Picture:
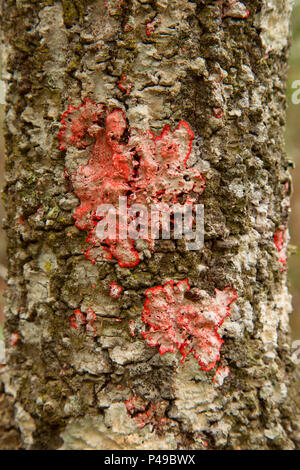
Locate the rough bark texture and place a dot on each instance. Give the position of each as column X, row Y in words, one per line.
column 225, row 76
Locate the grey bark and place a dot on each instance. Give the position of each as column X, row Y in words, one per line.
column 69, row 389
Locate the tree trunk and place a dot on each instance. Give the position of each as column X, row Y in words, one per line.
column 82, row 367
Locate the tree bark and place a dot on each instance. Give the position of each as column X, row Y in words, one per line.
column 222, row 70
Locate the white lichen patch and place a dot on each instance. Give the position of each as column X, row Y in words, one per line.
column 274, row 20
column 94, row 434
column 220, row 375
column 93, row 362
column 54, row 38
column 47, row 261
column 196, row 396
column 155, row 74
column 130, row 353
column 101, row 305
column 31, row 333
column 25, row 423
column 38, row 287
column 118, row 420
column 274, row 315
column 85, row 273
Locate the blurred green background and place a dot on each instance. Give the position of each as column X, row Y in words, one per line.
column 293, row 149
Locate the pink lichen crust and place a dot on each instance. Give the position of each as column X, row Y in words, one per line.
column 220, row 375
column 86, row 320
column 218, row 112
column 13, row 339
column 192, row 327
column 115, row 290
column 145, row 412
column 152, row 25
column 233, row 9
column 281, row 239
column 145, row 168
column 125, row 85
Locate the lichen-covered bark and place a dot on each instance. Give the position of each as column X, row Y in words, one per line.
column 222, row 69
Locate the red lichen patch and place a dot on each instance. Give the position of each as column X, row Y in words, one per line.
column 152, row 25
column 125, row 85
column 77, row 320
column 135, row 404
column 233, row 9
column 76, row 122
column 281, row 240
column 191, row 327
column 128, row 27
column 145, row 168
column 86, row 320
column 220, row 375
column 146, row 412
column 218, row 112
column 14, row 339
column 115, row 290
